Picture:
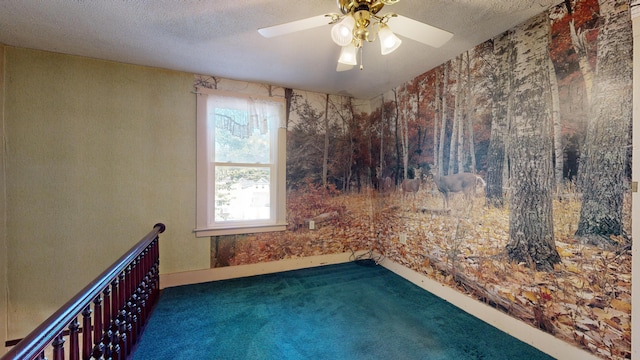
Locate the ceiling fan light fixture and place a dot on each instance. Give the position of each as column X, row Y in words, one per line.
column 359, row 19
column 389, row 42
column 342, row 32
column 348, row 55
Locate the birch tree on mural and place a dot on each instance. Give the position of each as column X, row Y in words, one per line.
column 531, row 238
column 325, row 152
column 608, row 131
column 443, row 119
column 436, row 119
column 421, row 126
column 404, row 137
column 458, row 123
column 557, row 127
column 388, row 146
column 468, row 113
column 288, row 99
column 502, row 99
column 383, row 179
column 455, row 122
column 396, row 120
column 347, row 146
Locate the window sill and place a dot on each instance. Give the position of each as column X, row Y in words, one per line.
column 239, row 230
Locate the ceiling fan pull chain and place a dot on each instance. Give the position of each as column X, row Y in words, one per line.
column 361, row 58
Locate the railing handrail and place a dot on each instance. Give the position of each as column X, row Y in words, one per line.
column 34, row 343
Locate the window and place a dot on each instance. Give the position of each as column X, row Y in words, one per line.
column 241, row 162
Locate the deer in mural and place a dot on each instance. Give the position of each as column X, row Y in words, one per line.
column 385, row 183
column 412, row 185
column 461, row 182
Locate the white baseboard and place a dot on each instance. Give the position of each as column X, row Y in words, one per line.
column 237, row 271
column 537, row 338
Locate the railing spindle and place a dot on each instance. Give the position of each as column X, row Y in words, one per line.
column 115, row 300
column 130, row 297
column 74, row 346
column 136, row 298
column 106, row 308
column 116, row 340
column 122, row 313
column 97, row 320
column 106, row 342
column 124, row 349
column 156, row 269
column 86, row 333
column 144, row 291
column 58, row 348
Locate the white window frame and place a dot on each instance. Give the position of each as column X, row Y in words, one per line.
column 205, row 207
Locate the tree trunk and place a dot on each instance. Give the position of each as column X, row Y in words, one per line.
column 325, row 154
column 459, row 109
column 453, row 143
column 422, row 132
column 349, row 167
column 608, row 130
column 288, row 97
column 404, row 136
column 395, row 96
column 381, row 164
column 579, row 42
column 443, row 124
column 469, row 111
column 502, row 84
column 557, row 128
column 531, row 218
column 436, row 118
column 451, row 169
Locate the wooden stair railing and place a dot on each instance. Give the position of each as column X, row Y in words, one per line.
column 120, row 299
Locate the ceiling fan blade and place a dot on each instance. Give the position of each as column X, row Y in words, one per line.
column 294, row 26
column 343, row 67
column 421, row 32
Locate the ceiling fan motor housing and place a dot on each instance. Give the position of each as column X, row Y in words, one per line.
column 372, row 6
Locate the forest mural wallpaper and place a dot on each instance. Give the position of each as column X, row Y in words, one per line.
column 503, row 173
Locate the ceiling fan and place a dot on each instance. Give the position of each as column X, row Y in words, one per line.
column 358, row 23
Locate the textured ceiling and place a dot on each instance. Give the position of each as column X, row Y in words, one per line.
column 219, row 38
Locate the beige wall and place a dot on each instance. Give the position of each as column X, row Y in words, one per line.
column 96, row 153
column 3, row 233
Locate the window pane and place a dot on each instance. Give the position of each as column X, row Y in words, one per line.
column 241, row 137
column 242, row 193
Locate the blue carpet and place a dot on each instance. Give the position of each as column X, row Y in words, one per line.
column 344, row 311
